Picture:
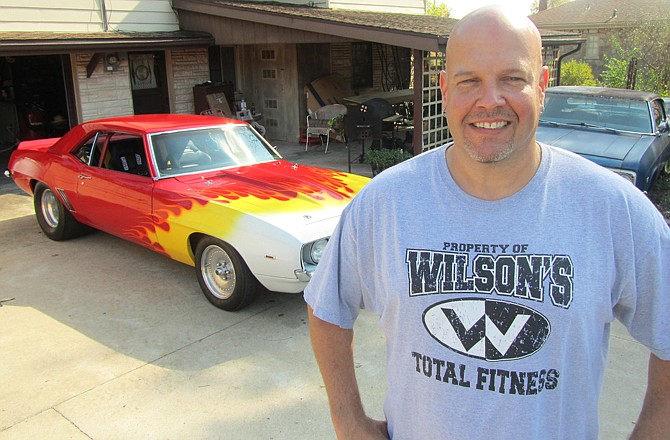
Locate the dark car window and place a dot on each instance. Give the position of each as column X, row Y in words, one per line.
column 125, row 153
column 659, row 113
column 606, row 112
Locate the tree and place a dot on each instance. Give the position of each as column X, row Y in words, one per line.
column 577, row 73
column 649, row 41
column 437, row 9
column 641, row 58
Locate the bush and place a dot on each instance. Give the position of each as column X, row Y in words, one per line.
column 380, row 159
column 577, row 73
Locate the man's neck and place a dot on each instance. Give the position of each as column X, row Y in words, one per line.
column 493, row 181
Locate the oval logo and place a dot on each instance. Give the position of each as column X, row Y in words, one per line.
column 487, row 329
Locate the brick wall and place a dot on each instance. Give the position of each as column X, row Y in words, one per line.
column 189, row 67
column 103, row 94
column 108, row 93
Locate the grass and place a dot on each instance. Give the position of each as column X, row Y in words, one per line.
column 660, row 194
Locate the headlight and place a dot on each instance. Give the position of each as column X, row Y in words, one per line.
column 630, row 176
column 312, row 252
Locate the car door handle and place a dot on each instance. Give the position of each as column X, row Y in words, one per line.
column 84, row 176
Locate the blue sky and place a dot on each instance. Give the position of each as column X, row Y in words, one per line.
column 461, row 7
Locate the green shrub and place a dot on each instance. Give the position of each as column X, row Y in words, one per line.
column 577, row 73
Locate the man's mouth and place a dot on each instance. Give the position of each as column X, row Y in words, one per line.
column 491, row 125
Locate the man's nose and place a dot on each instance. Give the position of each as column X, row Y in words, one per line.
column 491, row 95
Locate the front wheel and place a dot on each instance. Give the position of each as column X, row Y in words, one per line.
column 55, row 221
column 223, row 276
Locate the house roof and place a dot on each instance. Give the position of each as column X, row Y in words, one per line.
column 43, row 43
column 580, row 14
column 423, row 32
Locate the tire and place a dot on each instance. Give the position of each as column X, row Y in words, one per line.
column 223, row 276
column 55, row 221
column 666, row 167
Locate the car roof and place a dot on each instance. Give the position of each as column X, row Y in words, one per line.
column 606, row 92
column 155, row 123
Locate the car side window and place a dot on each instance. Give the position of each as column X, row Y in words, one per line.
column 89, row 151
column 659, row 113
column 125, row 153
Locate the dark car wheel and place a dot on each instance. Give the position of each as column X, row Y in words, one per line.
column 56, row 221
column 223, row 276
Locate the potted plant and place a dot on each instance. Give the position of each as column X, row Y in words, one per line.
column 380, row 159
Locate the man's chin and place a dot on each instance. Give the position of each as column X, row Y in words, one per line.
column 489, row 153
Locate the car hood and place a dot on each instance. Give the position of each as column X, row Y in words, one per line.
column 590, row 142
column 287, row 195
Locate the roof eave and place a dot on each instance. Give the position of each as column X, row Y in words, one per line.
column 49, row 46
column 394, row 37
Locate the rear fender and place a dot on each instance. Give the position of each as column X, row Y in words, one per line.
column 37, row 144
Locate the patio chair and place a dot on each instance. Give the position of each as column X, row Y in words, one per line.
column 318, row 123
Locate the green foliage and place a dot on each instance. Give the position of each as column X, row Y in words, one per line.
column 380, row 159
column 615, row 72
column 438, row 10
column 648, row 55
column 577, row 73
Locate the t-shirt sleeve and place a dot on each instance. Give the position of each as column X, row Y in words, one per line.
column 334, row 293
column 644, row 308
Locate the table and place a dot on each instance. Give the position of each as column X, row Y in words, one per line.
column 393, row 97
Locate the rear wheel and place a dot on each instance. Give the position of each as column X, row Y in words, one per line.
column 223, row 276
column 55, row 221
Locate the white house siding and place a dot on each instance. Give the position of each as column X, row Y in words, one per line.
column 86, row 16
column 189, row 67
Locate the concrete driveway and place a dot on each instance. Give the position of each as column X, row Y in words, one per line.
column 102, row 339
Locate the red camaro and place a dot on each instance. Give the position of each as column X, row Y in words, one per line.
column 202, row 190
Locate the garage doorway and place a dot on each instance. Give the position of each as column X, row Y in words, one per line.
column 35, row 99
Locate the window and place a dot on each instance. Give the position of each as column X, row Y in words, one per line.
column 268, row 54
column 125, row 153
column 269, row 74
column 89, row 151
column 361, row 65
column 592, row 48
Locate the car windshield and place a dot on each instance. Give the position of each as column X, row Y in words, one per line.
column 207, row 149
column 597, row 111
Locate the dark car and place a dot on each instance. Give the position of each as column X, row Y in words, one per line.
column 625, row 131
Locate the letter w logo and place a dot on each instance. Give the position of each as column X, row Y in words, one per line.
column 488, row 329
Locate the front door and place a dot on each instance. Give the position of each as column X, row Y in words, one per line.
column 148, row 82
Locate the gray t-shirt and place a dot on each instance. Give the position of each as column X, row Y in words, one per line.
column 497, row 313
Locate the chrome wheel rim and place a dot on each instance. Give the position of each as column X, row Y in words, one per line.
column 218, row 272
column 49, row 204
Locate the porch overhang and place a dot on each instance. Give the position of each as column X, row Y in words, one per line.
column 49, row 43
column 421, row 32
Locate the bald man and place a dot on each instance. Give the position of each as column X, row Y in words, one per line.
column 496, row 266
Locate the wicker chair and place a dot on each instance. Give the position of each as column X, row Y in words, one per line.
column 318, row 123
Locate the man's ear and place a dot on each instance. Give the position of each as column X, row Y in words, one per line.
column 443, row 85
column 544, row 80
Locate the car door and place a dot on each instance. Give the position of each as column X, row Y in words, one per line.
column 114, row 193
